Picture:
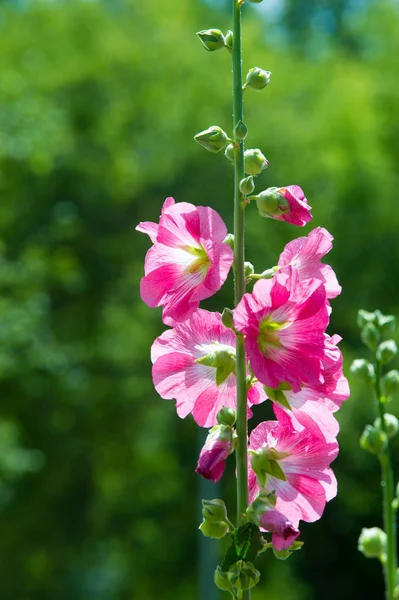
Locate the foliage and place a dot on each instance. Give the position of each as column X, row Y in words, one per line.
column 93, row 137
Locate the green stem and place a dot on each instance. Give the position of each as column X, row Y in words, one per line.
column 239, row 278
column 387, row 484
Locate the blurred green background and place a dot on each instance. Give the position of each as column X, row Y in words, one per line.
column 98, row 107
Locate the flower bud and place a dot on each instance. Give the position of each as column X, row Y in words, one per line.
column 284, row 532
column 229, row 240
column 214, row 510
column 386, row 323
column 213, row 139
column 212, row 459
column 243, row 575
column 390, row 382
column 364, row 317
column 228, row 40
column 227, row 318
column 254, row 161
column 214, row 530
column 248, row 269
column 226, row 416
column 386, row 351
column 212, row 39
column 230, row 152
column 240, row 131
column 363, row 370
column 247, row 185
column 257, row 78
column 373, row 440
column 372, row 542
column 370, row 336
column 221, row 580
column 391, row 425
column 264, row 501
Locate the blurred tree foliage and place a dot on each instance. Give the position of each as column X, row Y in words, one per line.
column 99, row 104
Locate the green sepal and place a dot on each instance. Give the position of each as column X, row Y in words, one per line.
column 276, row 471
column 246, row 544
column 277, row 395
column 284, row 554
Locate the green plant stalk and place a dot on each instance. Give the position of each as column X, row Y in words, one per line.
column 239, row 277
column 387, row 485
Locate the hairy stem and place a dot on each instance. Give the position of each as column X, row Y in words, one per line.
column 239, row 277
column 387, row 484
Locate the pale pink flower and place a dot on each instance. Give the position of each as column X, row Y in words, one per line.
column 312, row 408
column 188, row 261
column 194, row 363
column 284, row 321
column 305, row 253
column 283, row 531
column 212, row 459
column 304, row 460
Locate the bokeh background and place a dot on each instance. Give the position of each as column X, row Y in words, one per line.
column 98, row 107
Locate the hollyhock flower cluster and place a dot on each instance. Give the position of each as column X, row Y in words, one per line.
column 290, row 358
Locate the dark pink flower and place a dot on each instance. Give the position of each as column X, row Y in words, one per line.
column 305, row 482
column 212, row 459
column 312, row 407
column 194, row 363
column 284, row 321
column 305, row 253
column 188, row 261
column 284, row 204
column 284, row 533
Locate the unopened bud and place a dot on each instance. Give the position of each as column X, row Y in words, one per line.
column 390, row 382
column 372, row 542
column 391, row 425
column 215, row 530
column 214, row 510
column 248, row 269
column 370, row 336
column 213, row 139
column 386, row 351
column 240, row 131
column 221, row 580
column 230, row 152
column 363, row 370
column 226, row 416
column 212, row 39
column 243, row 575
column 364, row 317
column 247, row 185
column 257, row 78
column 386, row 323
column 227, row 318
column 373, row 440
column 229, row 240
column 228, row 40
column 254, row 161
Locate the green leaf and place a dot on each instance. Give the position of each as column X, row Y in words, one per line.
column 246, row 543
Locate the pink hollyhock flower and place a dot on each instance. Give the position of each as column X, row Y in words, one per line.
column 312, row 408
column 284, row 533
column 195, row 364
column 284, row 321
column 212, row 459
column 305, row 253
column 285, row 204
column 188, row 261
column 295, row 465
